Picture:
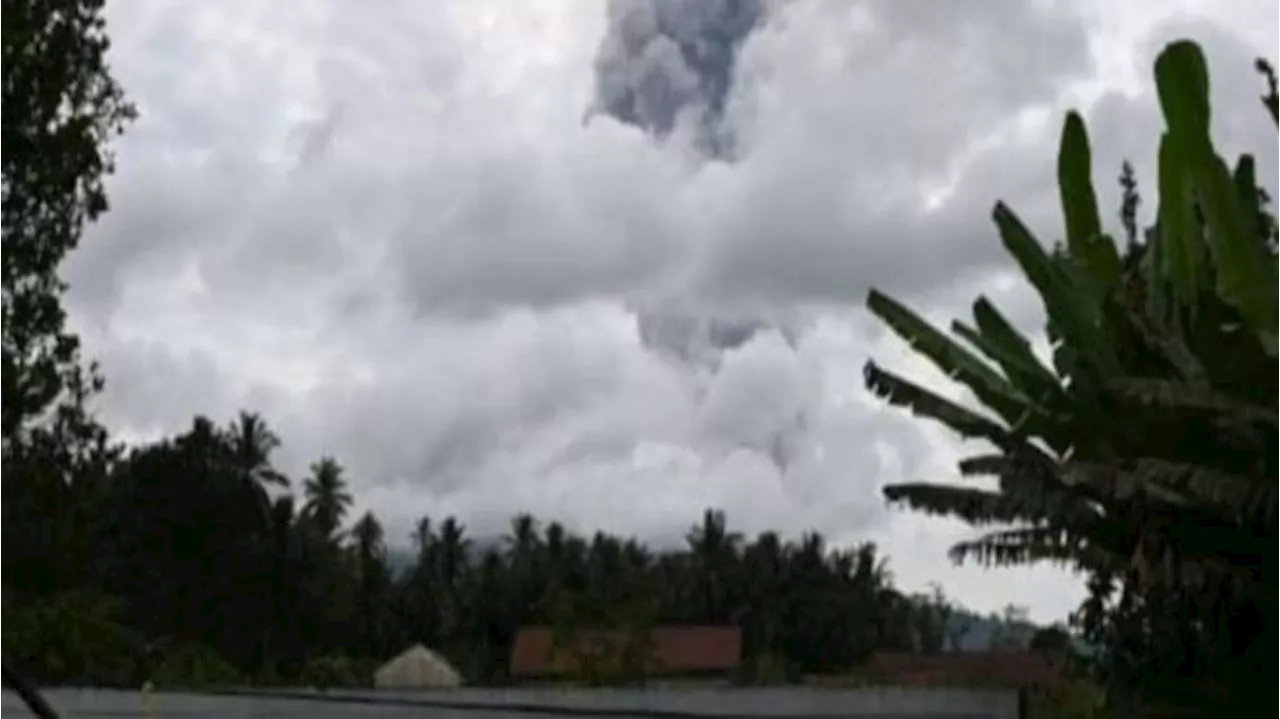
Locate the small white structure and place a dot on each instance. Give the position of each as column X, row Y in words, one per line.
column 417, row 668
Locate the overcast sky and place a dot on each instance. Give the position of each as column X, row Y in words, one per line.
column 387, row 227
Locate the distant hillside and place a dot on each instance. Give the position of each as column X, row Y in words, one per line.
column 979, row 631
column 401, row 559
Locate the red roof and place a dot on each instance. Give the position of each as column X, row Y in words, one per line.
column 965, row 668
column 676, row 650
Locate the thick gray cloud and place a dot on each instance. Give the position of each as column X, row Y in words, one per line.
column 846, row 166
column 663, row 60
column 388, row 229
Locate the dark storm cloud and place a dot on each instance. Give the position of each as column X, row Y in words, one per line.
column 664, row 59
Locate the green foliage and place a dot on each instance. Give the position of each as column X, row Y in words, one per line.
column 327, row 499
column 1076, row 699
column 605, row 645
column 768, row 670
column 1054, row 641
column 335, row 672
column 202, row 553
column 1145, row 454
column 76, row 636
column 1095, row 251
column 60, row 108
column 194, row 667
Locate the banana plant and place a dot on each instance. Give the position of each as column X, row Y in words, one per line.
column 1032, row 412
column 1156, row 416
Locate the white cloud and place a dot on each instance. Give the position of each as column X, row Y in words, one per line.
column 388, row 229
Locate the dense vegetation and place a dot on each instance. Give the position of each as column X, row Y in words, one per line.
column 1145, row 454
column 198, row 544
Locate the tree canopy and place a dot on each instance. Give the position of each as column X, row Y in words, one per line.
column 196, row 554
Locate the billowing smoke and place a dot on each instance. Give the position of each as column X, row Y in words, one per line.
column 775, row 420
column 665, row 62
column 699, row 338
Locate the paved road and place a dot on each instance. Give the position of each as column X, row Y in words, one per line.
column 475, row 704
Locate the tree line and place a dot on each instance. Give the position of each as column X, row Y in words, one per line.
column 198, row 545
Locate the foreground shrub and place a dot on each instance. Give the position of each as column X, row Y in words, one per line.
column 74, row 638
column 768, row 670
column 194, row 667
column 336, row 672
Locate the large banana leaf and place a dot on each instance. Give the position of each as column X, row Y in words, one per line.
column 1246, row 181
column 1068, row 303
column 1235, row 498
column 955, row 361
column 1091, row 248
column 975, row 506
column 1031, row 544
column 1159, row 335
column 1031, row 479
column 1118, row 485
column 993, row 325
column 1043, row 397
column 904, row 393
column 1035, row 416
column 1246, row 277
column 1181, row 247
column 1030, row 490
column 1172, row 395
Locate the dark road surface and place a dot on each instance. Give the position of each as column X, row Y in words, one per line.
column 534, row 704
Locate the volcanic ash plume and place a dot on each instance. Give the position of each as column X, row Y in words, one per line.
column 752, row 404
column 662, row 61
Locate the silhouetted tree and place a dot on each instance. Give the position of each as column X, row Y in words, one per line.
column 60, row 107
column 327, row 498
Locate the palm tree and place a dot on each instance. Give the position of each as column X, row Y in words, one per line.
column 423, row 536
column 523, row 544
column 252, row 443
column 525, row 567
column 282, row 557
column 454, row 551
column 764, row 566
column 370, row 560
column 715, row 558
column 452, row 557
column 420, row 606
column 327, row 498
